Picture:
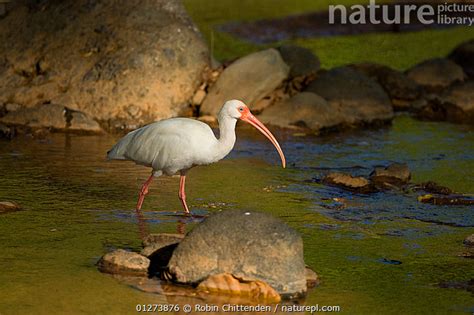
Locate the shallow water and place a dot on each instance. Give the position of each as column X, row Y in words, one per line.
column 382, row 253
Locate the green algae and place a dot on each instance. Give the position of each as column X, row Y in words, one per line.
column 77, row 206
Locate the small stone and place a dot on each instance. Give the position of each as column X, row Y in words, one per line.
column 347, row 181
column 434, row 188
column 395, row 174
column 469, row 241
column 154, row 242
column 451, row 200
column 199, row 97
column 124, row 263
column 9, row 206
column 312, row 277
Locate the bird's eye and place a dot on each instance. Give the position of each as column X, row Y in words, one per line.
column 241, row 109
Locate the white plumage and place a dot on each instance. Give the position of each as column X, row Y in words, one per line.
column 177, row 144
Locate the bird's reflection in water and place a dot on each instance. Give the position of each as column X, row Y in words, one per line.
column 182, row 220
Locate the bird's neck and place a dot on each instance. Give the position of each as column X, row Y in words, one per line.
column 226, row 134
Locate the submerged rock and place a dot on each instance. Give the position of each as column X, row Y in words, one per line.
column 450, row 200
column 249, row 79
column 347, row 181
column 312, row 278
column 9, row 206
column 251, row 246
column 469, row 241
column 302, row 61
column 434, row 188
column 125, row 263
column 463, row 55
column 225, row 283
column 358, row 98
column 435, row 74
column 394, row 174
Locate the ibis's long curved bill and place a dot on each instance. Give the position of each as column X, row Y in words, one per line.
column 251, row 119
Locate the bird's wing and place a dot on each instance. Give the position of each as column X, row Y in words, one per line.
column 171, row 144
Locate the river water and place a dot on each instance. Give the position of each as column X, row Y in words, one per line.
column 380, row 253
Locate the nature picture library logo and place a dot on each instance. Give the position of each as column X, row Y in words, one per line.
column 447, row 13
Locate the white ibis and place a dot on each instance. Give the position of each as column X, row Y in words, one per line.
column 178, row 144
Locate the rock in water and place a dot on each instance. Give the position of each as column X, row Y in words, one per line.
column 102, row 58
column 346, row 181
column 469, row 241
column 9, row 206
column 124, row 263
column 228, row 284
column 395, row 174
column 435, row 74
column 248, row 79
column 359, row 99
column 248, row 245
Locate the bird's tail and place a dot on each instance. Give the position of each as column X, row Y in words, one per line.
column 120, row 148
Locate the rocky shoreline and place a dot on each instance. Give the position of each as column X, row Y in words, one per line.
column 109, row 80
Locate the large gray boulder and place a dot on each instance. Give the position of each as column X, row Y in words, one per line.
column 248, row 245
column 305, row 109
column 436, row 74
column 463, row 55
column 123, row 63
column 248, row 79
column 358, row 98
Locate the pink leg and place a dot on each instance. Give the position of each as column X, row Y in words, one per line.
column 144, row 192
column 141, row 219
column 182, row 193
